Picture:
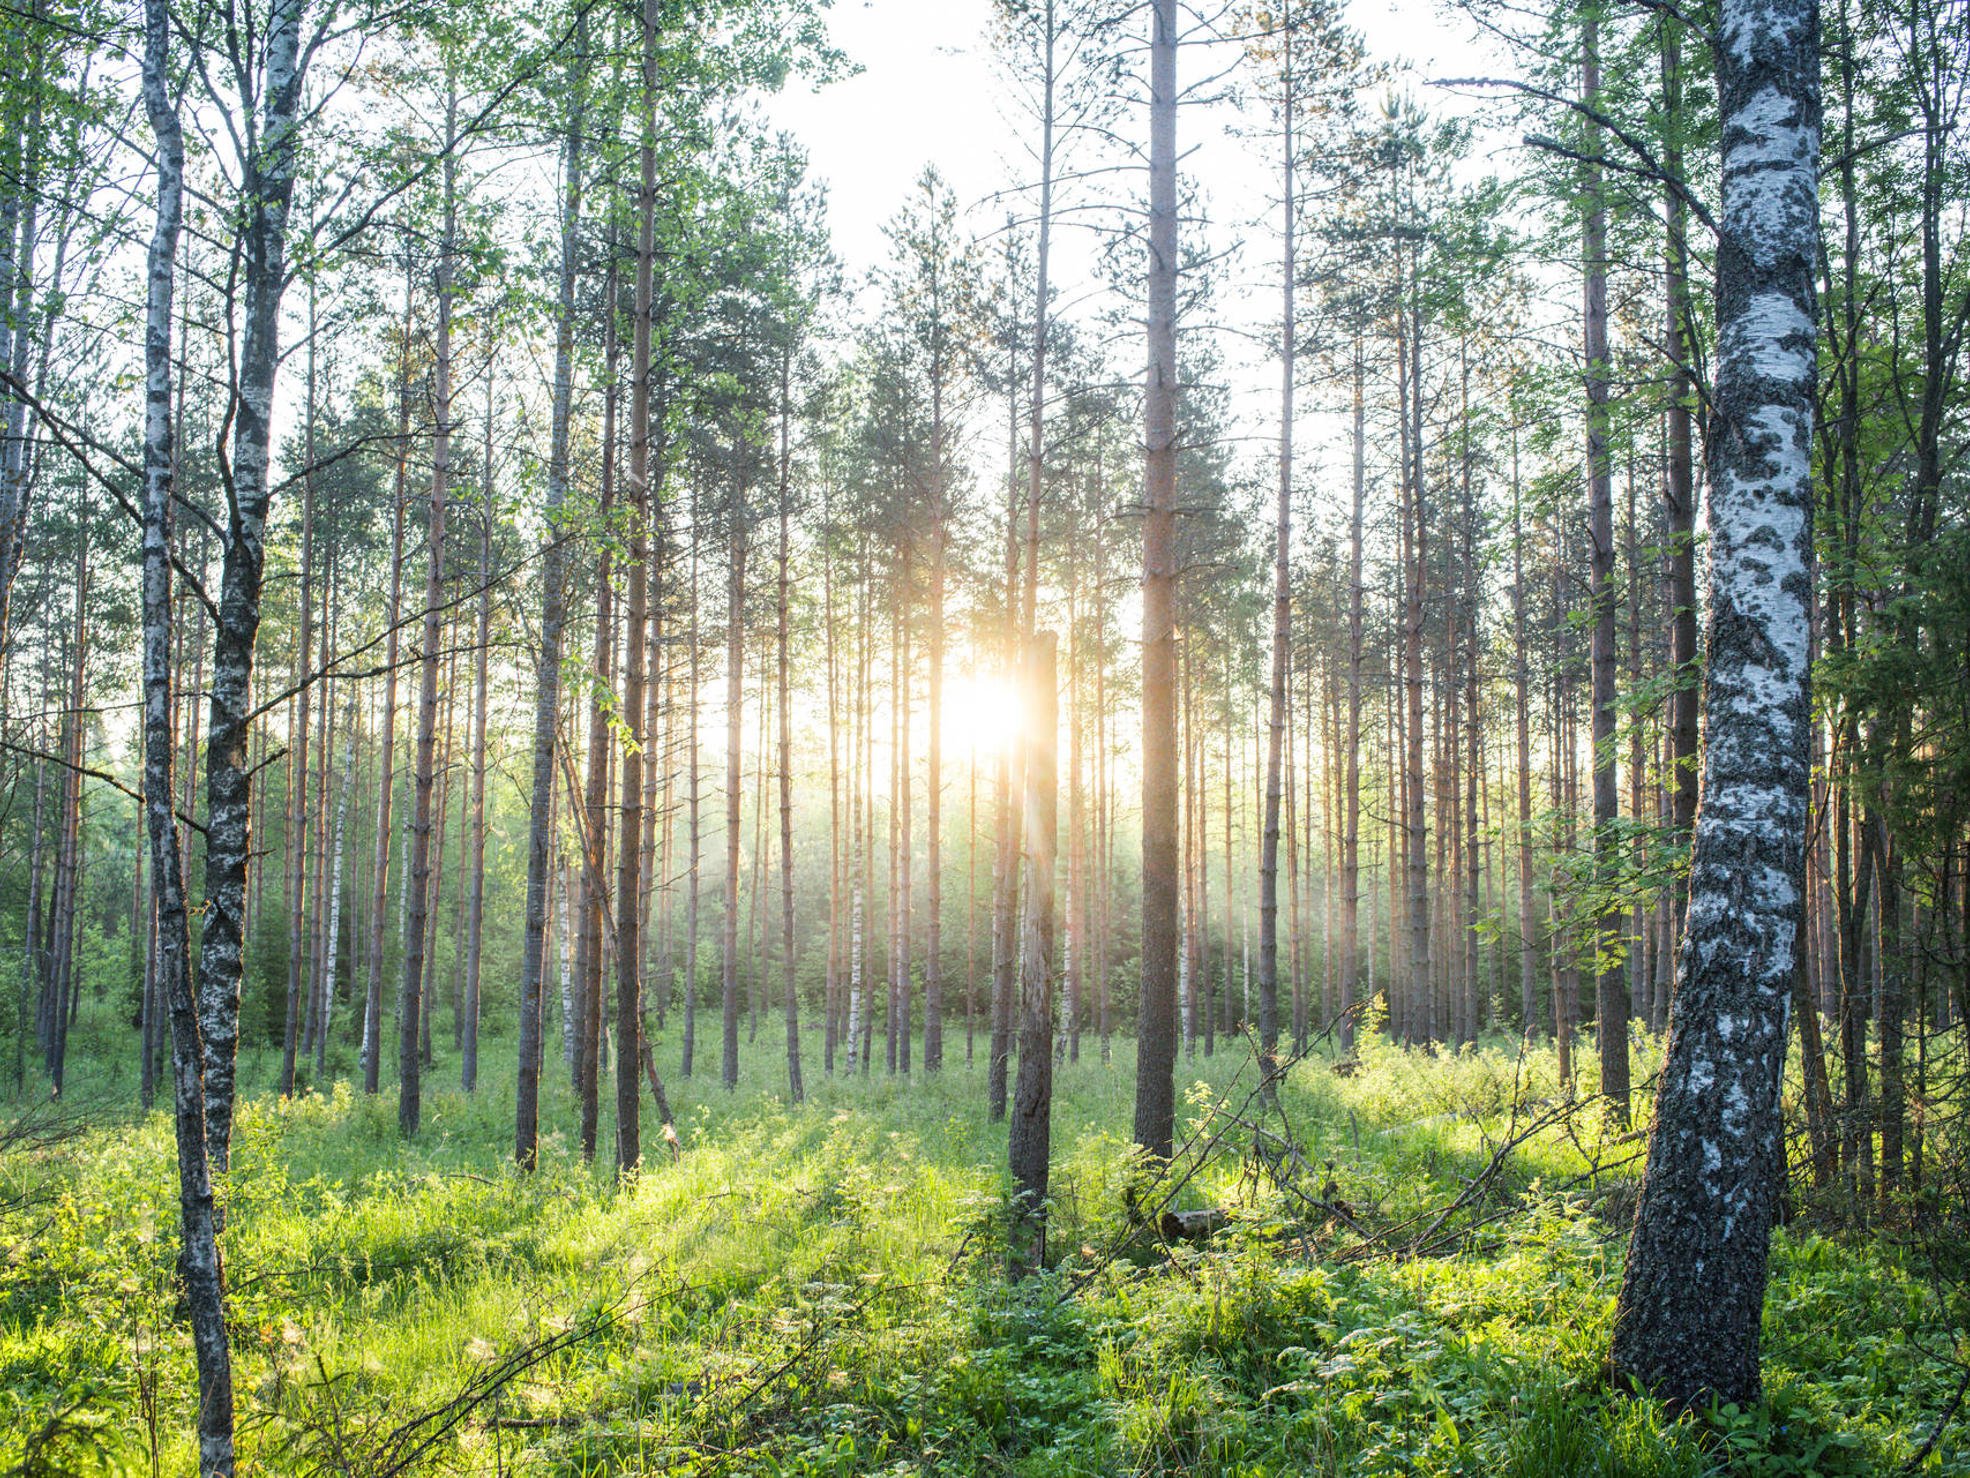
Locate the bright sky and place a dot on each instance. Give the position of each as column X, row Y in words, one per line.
column 930, row 91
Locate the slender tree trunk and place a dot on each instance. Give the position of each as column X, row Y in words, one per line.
column 1030, row 1130
column 412, row 1002
column 789, row 976
column 905, row 862
column 1892, row 1006
column 295, row 843
column 1351, row 781
column 1421, row 1023
column 1610, row 986
column 1074, row 950
column 694, row 887
column 595, row 819
column 629, row 847
column 832, row 989
column 1104, row 803
column 475, row 825
column 1282, row 611
column 553, row 617
column 1528, row 957
column 735, row 653
column 1155, row 1105
column 266, row 191
column 60, row 1007
column 200, row 1265
column 332, row 953
column 372, row 1051
column 19, row 209
column 1679, row 488
column 1005, row 859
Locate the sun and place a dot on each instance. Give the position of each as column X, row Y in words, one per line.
column 981, row 712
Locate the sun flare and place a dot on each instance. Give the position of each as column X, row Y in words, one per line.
column 981, row 712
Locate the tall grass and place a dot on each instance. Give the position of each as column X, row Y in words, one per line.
column 819, row 1290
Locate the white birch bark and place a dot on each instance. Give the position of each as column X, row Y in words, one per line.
column 200, row 1265
column 266, row 192
column 1693, row 1292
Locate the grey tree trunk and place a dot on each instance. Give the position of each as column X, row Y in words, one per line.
column 1687, row 1323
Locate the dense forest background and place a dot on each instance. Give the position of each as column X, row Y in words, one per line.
column 516, row 652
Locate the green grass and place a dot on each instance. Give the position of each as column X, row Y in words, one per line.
column 818, row 1290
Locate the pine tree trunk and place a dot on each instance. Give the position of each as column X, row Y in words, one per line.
column 1351, row 782
column 58, row 1009
column 332, row 952
column 1029, row 1134
column 372, row 1048
column 1282, row 609
column 832, row 987
column 295, row 843
column 933, row 952
column 1155, row 1104
column 1005, row 831
column 629, row 844
column 905, row 862
column 1528, row 956
column 1420, row 1025
column 734, row 787
column 789, row 976
column 416, row 928
column 1679, row 484
column 475, row 822
column 595, row 794
column 694, row 886
column 553, row 616
column 1610, row 985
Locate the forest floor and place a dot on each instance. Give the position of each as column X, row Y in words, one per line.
column 820, row 1290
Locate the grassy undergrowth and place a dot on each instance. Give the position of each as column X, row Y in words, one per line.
column 818, row 1290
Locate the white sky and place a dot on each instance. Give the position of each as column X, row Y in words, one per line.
column 930, row 91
